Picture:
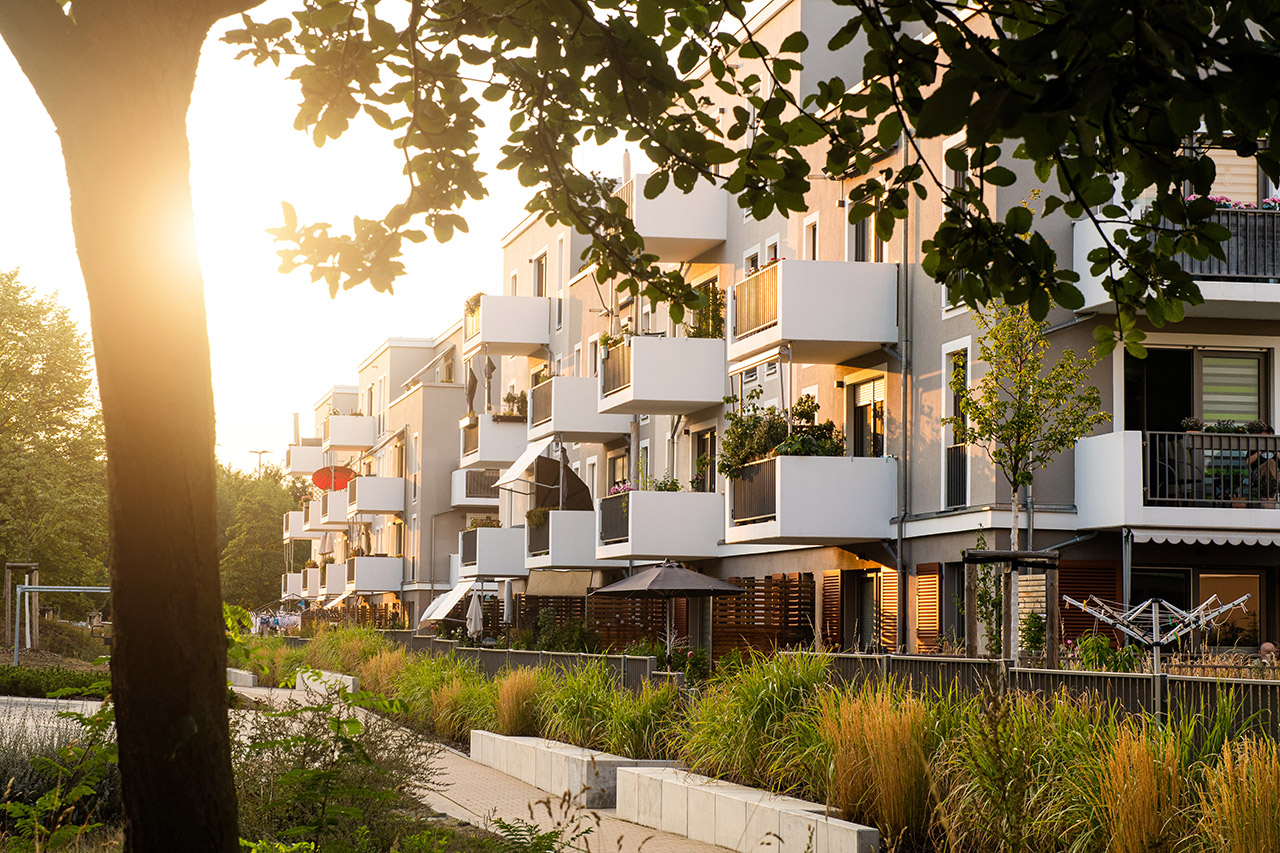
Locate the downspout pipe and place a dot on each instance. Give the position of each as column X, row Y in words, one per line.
column 904, row 359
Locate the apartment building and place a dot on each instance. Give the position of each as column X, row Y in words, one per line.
column 590, row 424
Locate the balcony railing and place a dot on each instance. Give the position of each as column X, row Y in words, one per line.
column 483, row 483
column 614, row 523
column 957, row 475
column 540, row 539
column 627, row 192
column 471, row 324
column 469, row 547
column 755, row 495
column 470, row 440
column 351, row 570
column 540, row 403
column 755, row 302
column 1211, row 469
column 1252, row 252
column 615, row 371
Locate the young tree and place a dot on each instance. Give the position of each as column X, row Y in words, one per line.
column 1021, row 415
column 252, row 561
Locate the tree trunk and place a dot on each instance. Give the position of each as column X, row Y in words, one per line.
column 117, row 85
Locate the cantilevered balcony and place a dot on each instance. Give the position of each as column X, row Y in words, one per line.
column 374, row 574
column 316, row 520
column 1178, row 480
column 491, row 552
column 492, row 441
column 508, row 325
column 303, row 460
column 812, row 500
column 335, row 579
column 311, row 583
column 333, row 510
column 350, row 433
column 568, row 406
column 291, row 585
column 375, row 496
column 474, row 488
column 826, row 311
column 677, row 226
column 295, row 526
column 1243, row 285
column 565, row 540
column 650, row 375
column 655, row 525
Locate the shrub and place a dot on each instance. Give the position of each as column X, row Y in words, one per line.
column 576, row 710
column 70, row 641
column 39, row 683
column 639, row 723
column 273, row 660
column 518, row 695
column 1240, row 799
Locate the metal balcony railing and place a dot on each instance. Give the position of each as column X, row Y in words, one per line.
column 540, row 403
column 540, row 539
column 469, row 547
column 627, row 192
column 615, row 370
column 754, row 493
column 470, row 439
column 957, row 475
column 1210, row 469
column 471, row 324
column 614, row 521
column 755, row 302
column 483, row 483
column 1252, row 252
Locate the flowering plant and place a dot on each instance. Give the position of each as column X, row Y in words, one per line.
column 621, row 487
column 1271, row 202
column 1227, row 203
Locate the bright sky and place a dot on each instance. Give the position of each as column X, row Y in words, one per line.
column 278, row 341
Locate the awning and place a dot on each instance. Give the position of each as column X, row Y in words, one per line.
column 338, row 600
column 571, row 583
column 771, row 354
column 517, row 469
column 440, row 607
column 1193, row 536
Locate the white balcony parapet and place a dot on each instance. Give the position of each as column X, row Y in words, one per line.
column 492, row 442
column 568, row 406
column 826, row 311
column 315, row 520
column 374, row 574
column 474, row 488
column 303, row 460
column 335, row 578
column 566, row 541
column 1195, row 481
column 677, row 226
column 508, row 325
column 812, row 500
column 651, row 375
column 351, row 433
column 375, row 495
column 295, row 526
column 491, row 552
column 311, row 583
column 333, row 510
column 291, row 585
column 643, row 525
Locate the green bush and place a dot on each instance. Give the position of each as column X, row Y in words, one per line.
column 639, row 723
column 70, row 641
column 423, row 676
column 39, row 683
column 577, row 707
column 344, row 649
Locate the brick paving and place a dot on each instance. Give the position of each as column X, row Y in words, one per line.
column 478, row 794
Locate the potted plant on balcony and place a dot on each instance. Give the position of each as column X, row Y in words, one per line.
column 708, row 321
column 472, row 305
column 608, row 341
column 311, row 564
column 755, row 433
column 483, row 521
column 515, row 407
column 1192, row 424
column 537, row 516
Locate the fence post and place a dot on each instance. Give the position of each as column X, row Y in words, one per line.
column 884, row 668
column 970, row 610
column 1052, row 616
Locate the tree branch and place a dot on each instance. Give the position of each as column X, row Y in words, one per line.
column 46, row 44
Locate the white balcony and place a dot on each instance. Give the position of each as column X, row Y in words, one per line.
column 291, row 585
column 649, row 375
column 295, row 526
column 350, row 433
column 315, row 521
column 333, row 510
column 508, row 325
column 568, row 406
column 474, row 488
column 1244, row 285
column 812, row 500
column 1176, row 481
column 677, row 226
column 374, row 574
column 311, row 583
column 303, row 460
column 375, row 496
column 658, row 525
column 492, row 442
column 826, row 311
column 566, row 541
column 491, row 552
column 335, row 578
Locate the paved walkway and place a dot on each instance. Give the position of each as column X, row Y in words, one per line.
column 478, row 794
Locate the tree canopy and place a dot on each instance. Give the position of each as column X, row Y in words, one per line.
column 250, row 553
column 1113, row 106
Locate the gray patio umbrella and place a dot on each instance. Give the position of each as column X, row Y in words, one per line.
column 669, row 580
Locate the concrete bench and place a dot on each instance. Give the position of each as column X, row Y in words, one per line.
column 734, row 816
column 241, row 678
column 327, row 682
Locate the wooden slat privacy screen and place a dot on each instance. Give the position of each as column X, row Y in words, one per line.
column 889, row 609
column 832, row 606
column 776, row 611
column 927, row 614
column 1081, row 579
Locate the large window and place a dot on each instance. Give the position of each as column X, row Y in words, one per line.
column 704, row 461
column 1171, row 384
column 867, row 437
column 540, row 275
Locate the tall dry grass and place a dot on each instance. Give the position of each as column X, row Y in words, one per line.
column 344, row 649
column 381, row 673
column 879, row 773
column 1240, row 799
column 1142, row 792
column 517, row 702
column 461, row 705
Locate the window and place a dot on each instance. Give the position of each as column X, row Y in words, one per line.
column 593, row 355
column 770, row 368
column 867, row 437
column 413, row 465
column 448, row 369
column 558, row 367
column 646, row 471
column 771, row 250
column 861, row 240
column 618, row 470
column 561, row 276
column 704, row 461
column 811, row 238
column 577, row 360
column 646, row 319
column 749, row 375
column 955, row 454
column 540, row 275
column 513, row 290
column 1171, row 384
column 751, row 263
column 591, row 477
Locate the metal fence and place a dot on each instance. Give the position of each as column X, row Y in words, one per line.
column 615, row 369
column 540, row 403
column 1210, row 469
column 1252, row 252
column 614, row 523
column 755, row 302
column 468, row 557
column 482, row 482
column 957, row 475
column 470, row 439
column 539, row 538
column 754, row 492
